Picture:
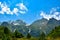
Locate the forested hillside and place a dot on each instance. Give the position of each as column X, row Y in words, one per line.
column 6, row 34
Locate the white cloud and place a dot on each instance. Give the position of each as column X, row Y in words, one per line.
column 15, row 11
column 22, row 12
column 1, row 12
column 46, row 16
column 5, row 9
column 55, row 14
column 22, row 6
column 54, row 10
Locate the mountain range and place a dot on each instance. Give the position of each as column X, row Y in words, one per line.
column 35, row 29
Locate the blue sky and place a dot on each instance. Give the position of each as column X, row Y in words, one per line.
column 29, row 10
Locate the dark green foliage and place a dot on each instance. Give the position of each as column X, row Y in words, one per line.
column 55, row 32
column 42, row 36
column 28, row 35
column 4, row 37
column 6, row 30
column 18, row 34
column 8, row 38
column 1, row 31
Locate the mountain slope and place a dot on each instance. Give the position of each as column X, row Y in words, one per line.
column 52, row 23
column 35, row 29
column 16, row 25
column 44, row 25
column 38, row 26
column 54, row 34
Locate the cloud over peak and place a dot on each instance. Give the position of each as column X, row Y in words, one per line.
column 53, row 14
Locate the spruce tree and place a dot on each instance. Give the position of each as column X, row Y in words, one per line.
column 28, row 35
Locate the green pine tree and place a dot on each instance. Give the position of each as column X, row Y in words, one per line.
column 28, row 35
column 42, row 36
column 18, row 34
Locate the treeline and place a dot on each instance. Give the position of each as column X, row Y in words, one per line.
column 6, row 34
column 54, row 34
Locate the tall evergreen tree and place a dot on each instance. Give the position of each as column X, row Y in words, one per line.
column 18, row 34
column 6, row 30
column 42, row 36
column 28, row 35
